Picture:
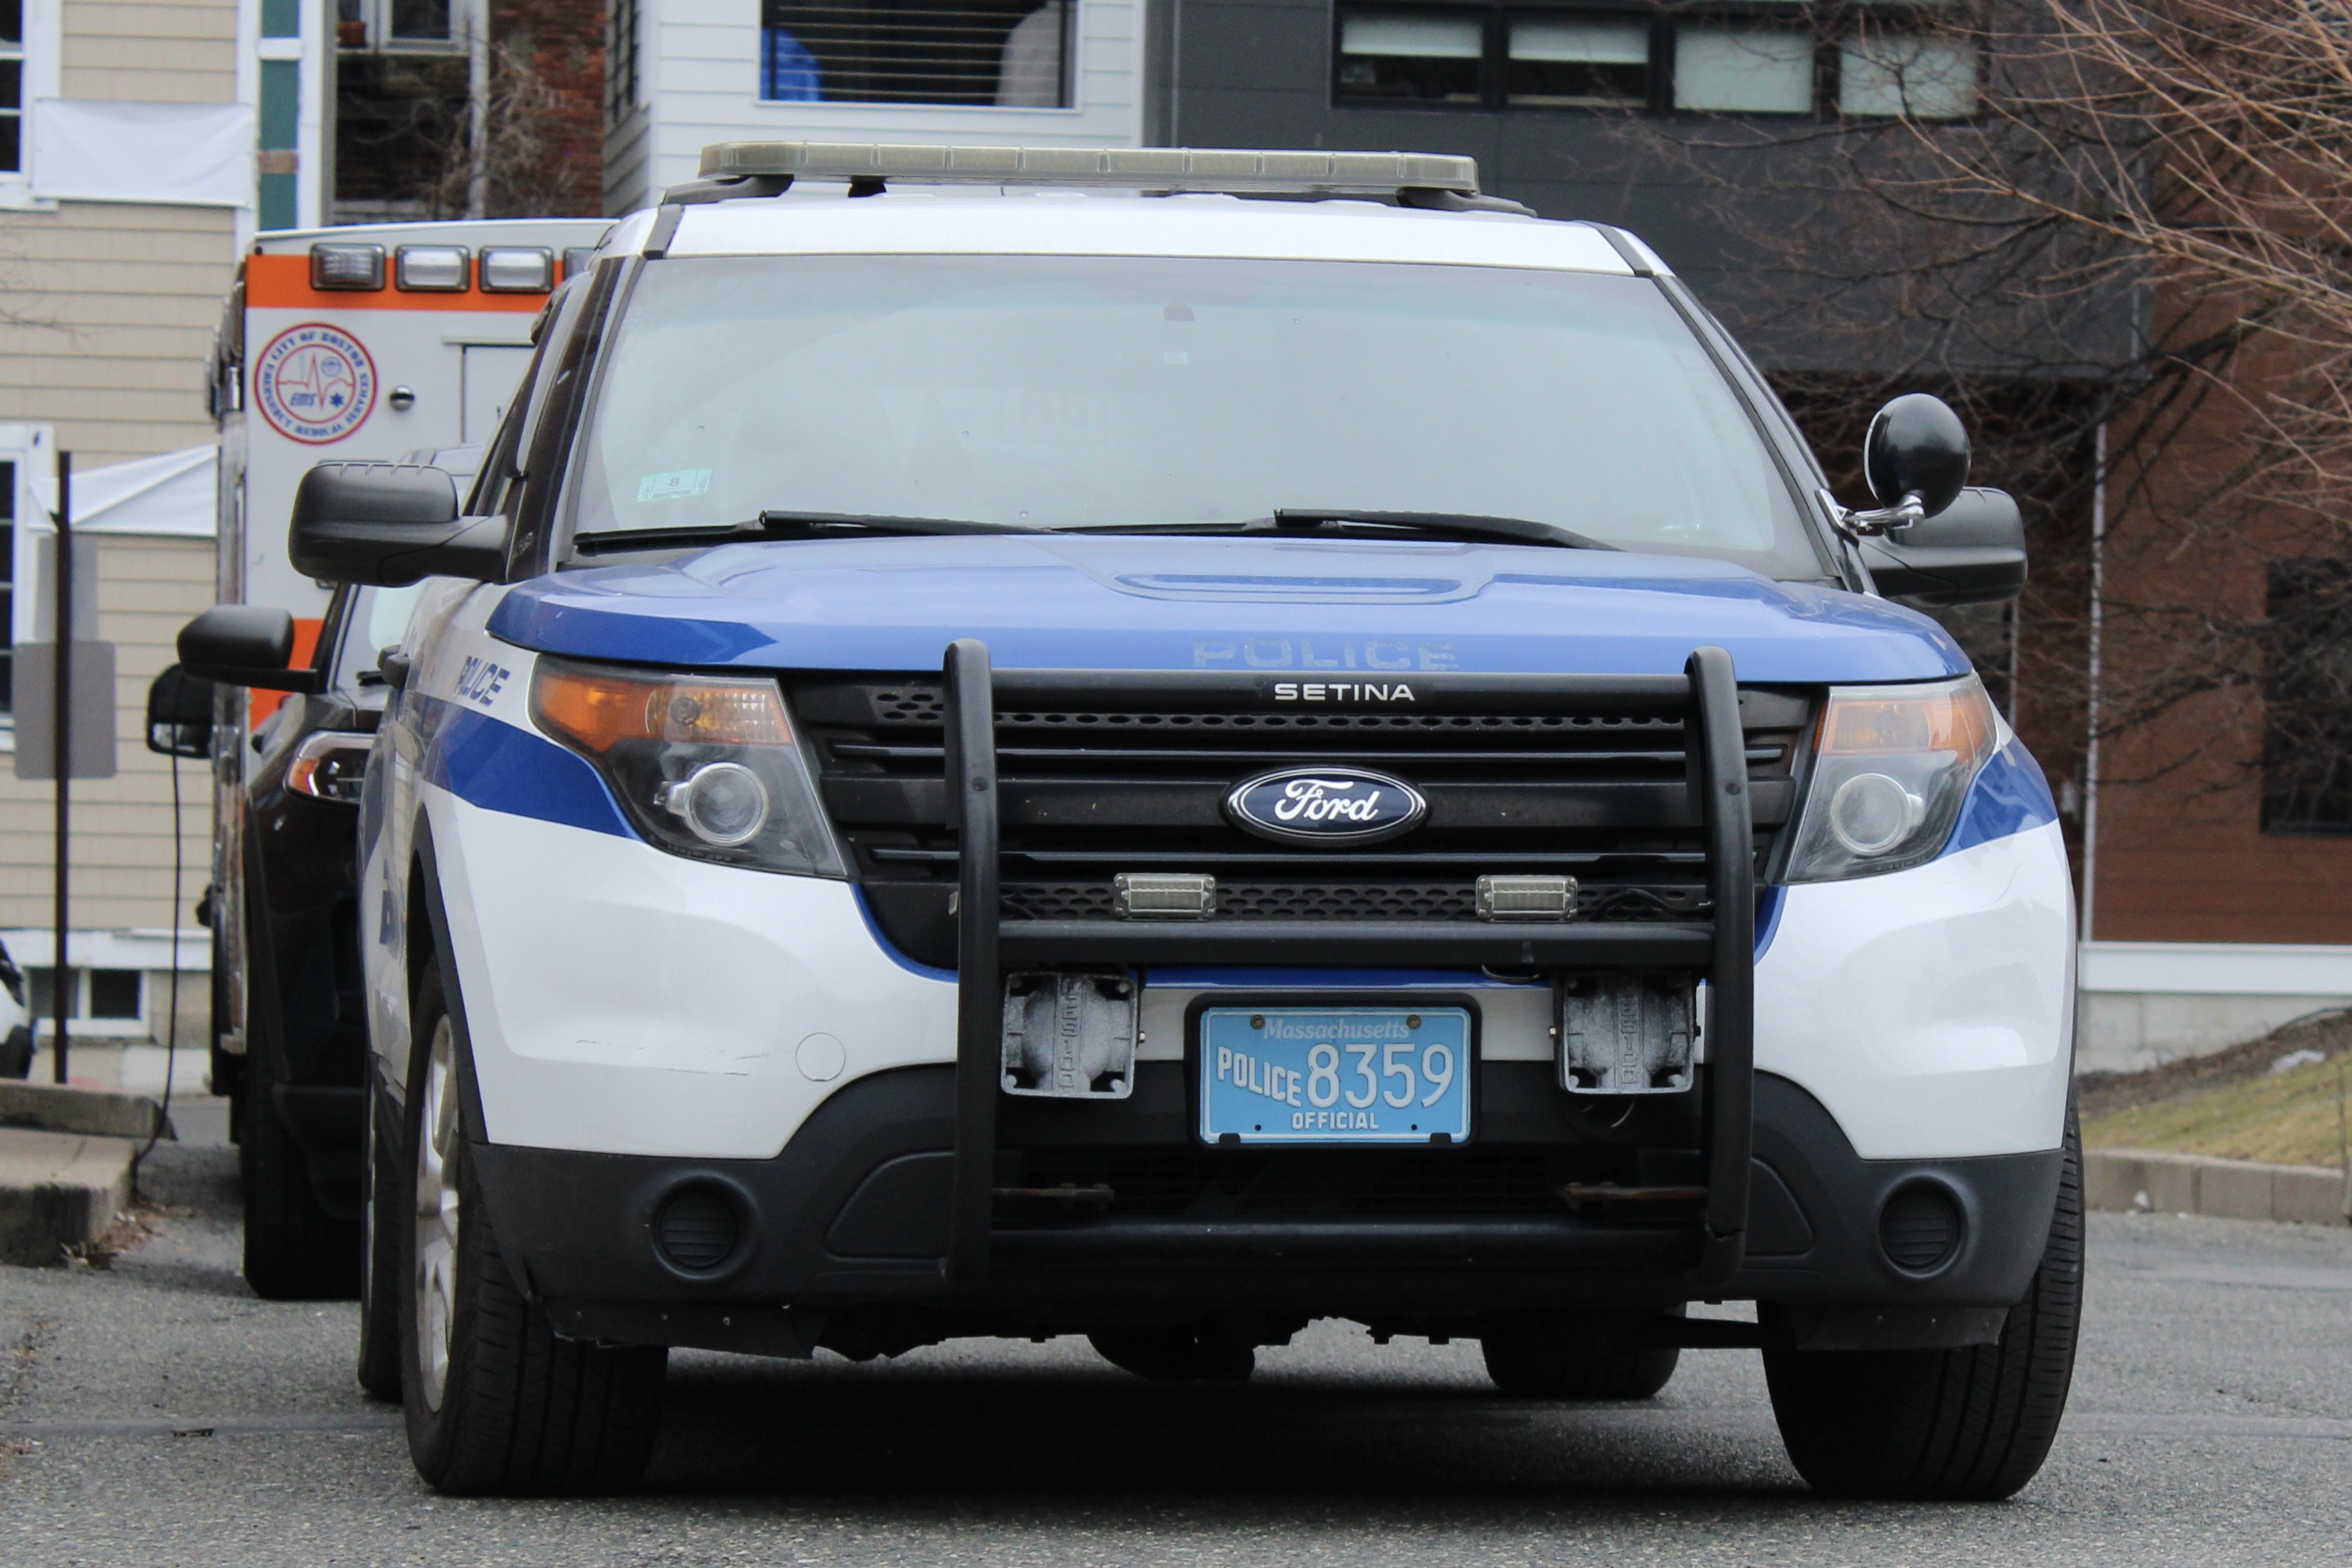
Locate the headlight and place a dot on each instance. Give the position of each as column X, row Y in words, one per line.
column 1894, row 764
column 704, row 764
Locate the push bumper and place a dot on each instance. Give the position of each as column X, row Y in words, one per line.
column 852, row 1217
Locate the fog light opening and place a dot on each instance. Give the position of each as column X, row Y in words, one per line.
column 698, row 1229
column 1920, row 1227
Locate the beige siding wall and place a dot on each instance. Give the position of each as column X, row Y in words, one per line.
column 106, row 312
column 147, row 589
column 154, row 51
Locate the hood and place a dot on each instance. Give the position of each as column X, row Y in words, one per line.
column 1312, row 605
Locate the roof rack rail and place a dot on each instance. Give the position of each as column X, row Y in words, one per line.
column 1230, row 171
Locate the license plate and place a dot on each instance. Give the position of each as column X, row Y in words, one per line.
column 1334, row 1075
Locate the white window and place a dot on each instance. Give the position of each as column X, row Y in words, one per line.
column 1580, row 63
column 1430, row 57
column 1924, row 76
column 1735, row 69
column 399, row 24
column 1011, row 53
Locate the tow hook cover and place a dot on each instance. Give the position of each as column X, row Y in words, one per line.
column 1070, row 1037
column 1626, row 1034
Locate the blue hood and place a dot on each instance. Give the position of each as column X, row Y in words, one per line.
column 1215, row 603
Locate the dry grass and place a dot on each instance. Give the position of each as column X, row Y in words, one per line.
column 2233, row 1105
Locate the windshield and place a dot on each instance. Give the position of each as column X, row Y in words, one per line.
column 1068, row 391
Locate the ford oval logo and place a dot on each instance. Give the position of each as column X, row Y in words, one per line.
column 1325, row 805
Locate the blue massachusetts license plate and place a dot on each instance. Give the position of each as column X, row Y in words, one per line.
column 1334, row 1075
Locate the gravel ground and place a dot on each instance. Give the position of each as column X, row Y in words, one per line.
column 156, row 1413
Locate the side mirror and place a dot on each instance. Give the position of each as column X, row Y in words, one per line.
column 388, row 525
column 243, row 644
column 180, row 714
column 1916, row 455
column 1970, row 552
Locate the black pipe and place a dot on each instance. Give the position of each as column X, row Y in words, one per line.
column 971, row 731
column 1721, row 780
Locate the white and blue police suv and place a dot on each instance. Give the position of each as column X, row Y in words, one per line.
column 1030, row 742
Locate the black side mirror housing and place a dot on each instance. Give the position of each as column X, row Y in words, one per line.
column 1917, row 450
column 388, row 525
column 1970, row 552
column 243, row 644
column 180, row 714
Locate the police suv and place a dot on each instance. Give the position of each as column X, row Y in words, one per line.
column 1163, row 744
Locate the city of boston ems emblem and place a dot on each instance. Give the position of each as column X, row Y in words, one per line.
column 314, row 384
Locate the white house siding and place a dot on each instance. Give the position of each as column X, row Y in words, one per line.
column 147, row 590
column 701, row 80
column 627, row 148
column 107, row 312
column 150, row 51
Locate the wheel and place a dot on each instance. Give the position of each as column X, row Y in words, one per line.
column 1175, row 1355
column 294, row 1249
column 1959, row 1424
column 1576, row 1358
column 495, row 1404
column 380, row 1217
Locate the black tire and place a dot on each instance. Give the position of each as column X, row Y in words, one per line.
column 514, row 1411
column 380, row 1215
column 16, row 1053
column 1176, row 1355
column 294, row 1249
column 1574, row 1358
column 1970, row 1425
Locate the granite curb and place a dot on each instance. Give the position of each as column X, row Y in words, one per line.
column 2149, row 1182
column 60, row 1191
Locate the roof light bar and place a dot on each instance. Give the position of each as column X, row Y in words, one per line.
column 1234, row 171
column 518, row 270
column 346, row 266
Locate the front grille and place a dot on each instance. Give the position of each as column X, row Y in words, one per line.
column 1136, row 781
column 1351, row 901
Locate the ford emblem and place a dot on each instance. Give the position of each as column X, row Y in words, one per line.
column 1325, row 805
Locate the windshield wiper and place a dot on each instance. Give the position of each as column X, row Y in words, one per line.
column 1329, row 521
column 787, row 525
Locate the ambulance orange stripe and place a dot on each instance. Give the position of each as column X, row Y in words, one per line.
column 283, row 282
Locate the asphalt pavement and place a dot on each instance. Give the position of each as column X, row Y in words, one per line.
column 156, row 1412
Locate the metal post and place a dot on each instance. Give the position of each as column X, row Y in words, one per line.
column 1731, row 976
column 61, row 756
column 970, row 724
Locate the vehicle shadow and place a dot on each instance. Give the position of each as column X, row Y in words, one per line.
column 1074, row 1443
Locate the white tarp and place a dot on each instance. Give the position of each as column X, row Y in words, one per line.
column 185, row 154
column 174, row 494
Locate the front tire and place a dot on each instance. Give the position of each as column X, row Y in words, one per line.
column 496, row 1405
column 383, row 1215
column 1567, row 1358
column 1971, row 1425
column 1188, row 1354
column 294, row 1249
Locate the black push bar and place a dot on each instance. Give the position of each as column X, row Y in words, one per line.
column 1706, row 697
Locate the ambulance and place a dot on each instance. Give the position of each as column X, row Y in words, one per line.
column 376, row 342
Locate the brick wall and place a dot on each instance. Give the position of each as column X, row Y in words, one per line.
column 561, row 43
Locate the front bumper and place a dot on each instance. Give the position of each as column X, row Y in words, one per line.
column 852, row 1217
